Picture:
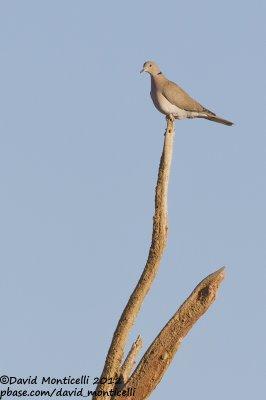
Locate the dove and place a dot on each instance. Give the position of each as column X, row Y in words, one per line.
column 171, row 100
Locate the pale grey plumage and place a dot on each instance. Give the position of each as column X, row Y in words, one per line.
column 169, row 98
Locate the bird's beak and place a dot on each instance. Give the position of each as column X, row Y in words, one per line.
column 143, row 70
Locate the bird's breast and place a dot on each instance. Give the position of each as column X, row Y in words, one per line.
column 165, row 107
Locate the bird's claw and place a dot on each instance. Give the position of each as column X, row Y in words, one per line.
column 170, row 117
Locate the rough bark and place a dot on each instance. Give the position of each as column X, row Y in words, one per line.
column 159, row 237
column 158, row 357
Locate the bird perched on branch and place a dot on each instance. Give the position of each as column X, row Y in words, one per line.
column 171, row 99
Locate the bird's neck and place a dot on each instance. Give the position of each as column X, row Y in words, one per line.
column 157, row 79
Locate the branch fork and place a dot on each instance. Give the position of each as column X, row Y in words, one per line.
column 151, row 368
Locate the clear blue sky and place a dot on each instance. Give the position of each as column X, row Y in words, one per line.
column 79, row 149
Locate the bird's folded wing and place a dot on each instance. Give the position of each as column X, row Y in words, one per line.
column 177, row 96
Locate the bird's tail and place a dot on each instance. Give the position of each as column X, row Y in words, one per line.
column 214, row 118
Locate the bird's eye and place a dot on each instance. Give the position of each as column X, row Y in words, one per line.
column 150, row 65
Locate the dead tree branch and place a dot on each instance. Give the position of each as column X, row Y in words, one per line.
column 130, row 360
column 159, row 237
column 158, row 357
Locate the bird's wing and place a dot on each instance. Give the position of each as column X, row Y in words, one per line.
column 177, row 96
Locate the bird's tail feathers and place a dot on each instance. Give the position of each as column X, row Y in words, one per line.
column 214, row 118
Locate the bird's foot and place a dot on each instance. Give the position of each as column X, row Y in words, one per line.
column 170, row 117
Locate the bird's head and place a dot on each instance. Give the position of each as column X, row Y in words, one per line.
column 151, row 67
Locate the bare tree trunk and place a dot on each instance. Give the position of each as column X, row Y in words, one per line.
column 158, row 357
column 161, row 352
